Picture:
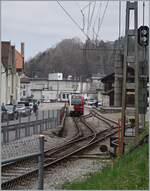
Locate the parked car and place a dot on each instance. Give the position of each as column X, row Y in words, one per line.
column 100, row 103
column 91, row 102
column 46, row 101
column 23, row 110
column 28, row 105
column 31, row 106
column 9, row 112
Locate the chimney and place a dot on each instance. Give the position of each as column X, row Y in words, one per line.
column 22, row 53
column 22, row 49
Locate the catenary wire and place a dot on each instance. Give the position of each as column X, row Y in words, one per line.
column 73, row 20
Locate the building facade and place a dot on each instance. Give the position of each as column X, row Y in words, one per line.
column 25, row 87
column 57, row 89
column 10, row 75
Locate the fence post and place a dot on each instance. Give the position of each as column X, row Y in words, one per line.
column 16, row 131
column 4, row 136
column 48, row 119
column 37, row 113
column 19, row 126
column 41, row 163
column 59, row 113
column 7, row 132
column 28, row 127
column 43, row 120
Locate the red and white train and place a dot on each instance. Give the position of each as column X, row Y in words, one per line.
column 76, row 105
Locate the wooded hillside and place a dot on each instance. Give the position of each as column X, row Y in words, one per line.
column 72, row 57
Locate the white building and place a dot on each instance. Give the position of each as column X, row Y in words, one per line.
column 11, row 60
column 25, row 87
column 57, row 89
column 55, row 76
column 3, row 85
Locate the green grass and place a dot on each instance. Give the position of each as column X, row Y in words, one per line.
column 128, row 172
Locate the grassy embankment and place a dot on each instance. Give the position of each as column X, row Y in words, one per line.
column 128, row 172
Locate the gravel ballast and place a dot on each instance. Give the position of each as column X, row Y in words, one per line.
column 67, row 171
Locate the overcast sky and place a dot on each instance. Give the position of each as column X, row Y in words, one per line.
column 42, row 25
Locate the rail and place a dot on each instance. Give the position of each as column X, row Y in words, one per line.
column 52, row 156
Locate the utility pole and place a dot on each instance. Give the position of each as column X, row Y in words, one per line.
column 130, row 60
column 0, row 69
column 118, row 67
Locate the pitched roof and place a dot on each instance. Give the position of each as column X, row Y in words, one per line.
column 5, row 51
column 19, row 60
column 109, row 77
column 24, row 80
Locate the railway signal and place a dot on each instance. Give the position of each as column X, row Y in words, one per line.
column 143, row 35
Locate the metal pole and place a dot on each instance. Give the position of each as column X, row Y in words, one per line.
column 149, row 64
column 136, row 78
column 48, row 119
column 59, row 115
column 123, row 118
column 36, row 127
column 19, row 126
column 41, row 163
column 0, row 73
column 43, row 119
column 143, row 12
column 142, row 113
column 28, row 128
column 119, row 23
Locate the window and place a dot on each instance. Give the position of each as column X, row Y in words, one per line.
column 24, row 92
column 64, row 96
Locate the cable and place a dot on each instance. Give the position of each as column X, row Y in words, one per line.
column 92, row 13
column 97, row 14
column 73, row 20
column 98, row 10
column 83, row 17
column 86, row 6
column 98, row 26
column 83, row 20
column 102, row 18
column 88, row 18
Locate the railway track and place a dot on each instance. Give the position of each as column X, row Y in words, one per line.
column 85, row 137
column 17, row 170
column 94, row 112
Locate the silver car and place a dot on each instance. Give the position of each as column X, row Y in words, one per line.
column 23, row 110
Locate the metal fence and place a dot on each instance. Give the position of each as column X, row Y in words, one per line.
column 34, row 124
column 22, row 160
